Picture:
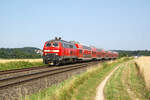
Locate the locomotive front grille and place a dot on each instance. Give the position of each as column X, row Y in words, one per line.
column 50, row 54
column 51, row 57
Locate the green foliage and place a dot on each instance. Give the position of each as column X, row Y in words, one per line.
column 26, row 52
column 114, row 89
column 127, row 53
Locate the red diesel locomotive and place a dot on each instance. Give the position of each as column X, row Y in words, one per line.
column 57, row 51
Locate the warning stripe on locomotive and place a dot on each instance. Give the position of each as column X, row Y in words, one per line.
column 51, row 50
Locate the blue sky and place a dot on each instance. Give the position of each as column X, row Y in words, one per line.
column 108, row 24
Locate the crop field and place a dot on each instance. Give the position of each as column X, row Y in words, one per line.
column 16, row 60
column 144, row 66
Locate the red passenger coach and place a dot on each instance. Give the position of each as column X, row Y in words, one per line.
column 94, row 53
column 111, row 54
column 79, row 51
column 87, row 53
column 100, row 54
column 107, row 55
column 84, row 53
column 115, row 55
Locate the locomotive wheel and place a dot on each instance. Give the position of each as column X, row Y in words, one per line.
column 57, row 63
column 74, row 60
column 45, row 61
column 63, row 62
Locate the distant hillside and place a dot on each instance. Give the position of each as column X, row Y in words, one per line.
column 123, row 53
column 26, row 52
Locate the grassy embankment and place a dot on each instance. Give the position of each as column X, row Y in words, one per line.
column 127, row 83
column 80, row 87
column 17, row 63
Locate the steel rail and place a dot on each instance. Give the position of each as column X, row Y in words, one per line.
column 29, row 69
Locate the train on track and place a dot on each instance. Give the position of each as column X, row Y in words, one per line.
column 57, row 51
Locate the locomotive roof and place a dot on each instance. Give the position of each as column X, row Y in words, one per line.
column 73, row 42
column 99, row 49
column 60, row 41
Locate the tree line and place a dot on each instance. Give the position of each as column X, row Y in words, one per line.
column 19, row 53
column 31, row 52
column 129, row 53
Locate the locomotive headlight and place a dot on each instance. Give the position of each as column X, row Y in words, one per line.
column 46, row 50
column 56, row 53
column 55, row 50
column 51, row 50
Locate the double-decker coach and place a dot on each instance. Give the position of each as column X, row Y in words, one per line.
column 84, row 52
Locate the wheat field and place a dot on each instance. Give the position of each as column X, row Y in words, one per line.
column 144, row 65
column 15, row 60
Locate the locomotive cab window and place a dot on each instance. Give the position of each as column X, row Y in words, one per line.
column 55, row 44
column 48, row 44
column 52, row 44
column 80, row 51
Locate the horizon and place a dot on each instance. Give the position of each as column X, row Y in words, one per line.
column 102, row 48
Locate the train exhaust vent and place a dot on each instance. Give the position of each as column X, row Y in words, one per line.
column 57, row 38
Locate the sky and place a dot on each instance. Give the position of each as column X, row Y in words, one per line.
column 108, row 24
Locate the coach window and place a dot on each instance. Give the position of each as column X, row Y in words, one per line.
column 89, row 48
column 71, row 46
column 84, row 47
column 80, row 51
column 65, row 45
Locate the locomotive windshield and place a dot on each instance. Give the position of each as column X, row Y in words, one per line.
column 52, row 44
column 55, row 44
column 48, row 44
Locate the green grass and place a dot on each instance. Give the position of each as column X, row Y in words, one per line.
column 87, row 90
column 19, row 65
column 114, row 89
column 80, row 87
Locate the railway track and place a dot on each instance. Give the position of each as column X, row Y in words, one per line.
column 43, row 72
column 29, row 69
column 21, row 70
